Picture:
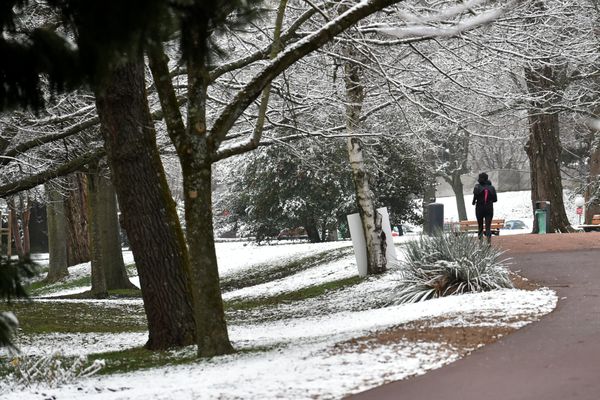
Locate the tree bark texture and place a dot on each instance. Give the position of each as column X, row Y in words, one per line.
column 57, row 240
column 21, row 212
column 211, row 327
column 98, row 255
column 149, row 214
column 193, row 150
column 78, row 250
column 196, row 163
column 114, row 270
column 371, row 219
column 543, row 147
column 458, row 188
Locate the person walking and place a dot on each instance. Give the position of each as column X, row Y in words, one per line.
column 484, row 197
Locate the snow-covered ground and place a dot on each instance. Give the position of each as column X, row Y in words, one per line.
column 290, row 350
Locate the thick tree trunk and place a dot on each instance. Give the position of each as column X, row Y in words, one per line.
column 543, row 147
column 108, row 268
column 149, row 214
column 76, row 213
column 98, row 259
column 211, row 327
column 57, row 240
column 371, row 219
column 114, row 269
column 193, row 150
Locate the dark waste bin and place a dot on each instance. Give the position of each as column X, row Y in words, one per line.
column 542, row 217
column 435, row 218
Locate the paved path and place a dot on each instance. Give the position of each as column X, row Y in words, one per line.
column 557, row 358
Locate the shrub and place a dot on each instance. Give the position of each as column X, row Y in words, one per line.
column 12, row 274
column 450, row 264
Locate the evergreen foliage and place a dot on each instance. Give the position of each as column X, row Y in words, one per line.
column 398, row 176
column 106, row 33
column 12, row 273
column 282, row 188
column 445, row 265
column 309, row 184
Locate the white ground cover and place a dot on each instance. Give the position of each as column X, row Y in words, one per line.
column 289, row 351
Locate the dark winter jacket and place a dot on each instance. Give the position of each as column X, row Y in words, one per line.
column 479, row 194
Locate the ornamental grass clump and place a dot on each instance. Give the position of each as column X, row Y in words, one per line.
column 444, row 265
column 47, row 371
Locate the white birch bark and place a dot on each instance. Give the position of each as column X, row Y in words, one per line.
column 371, row 219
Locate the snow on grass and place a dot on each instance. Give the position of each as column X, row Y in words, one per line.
column 234, row 257
column 301, row 372
column 347, row 324
column 75, row 344
column 75, row 272
column 289, row 350
column 302, row 362
column 344, row 268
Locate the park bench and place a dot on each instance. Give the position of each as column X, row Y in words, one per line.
column 473, row 227
column 594, row 226
column 298, row 233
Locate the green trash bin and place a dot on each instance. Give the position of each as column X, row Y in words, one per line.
column 540, row 216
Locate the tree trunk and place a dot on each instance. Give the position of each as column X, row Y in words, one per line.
column 57, row 241
column 457, row 187
column 149, row 214
column 543, row 147
column 26, row 216
column 313, row 233
column 114, row 269
column 371, row 219
column 332, row 233
column 78, row 250
column 21, row 212
column 193, row 150
column 211, row 327
column 97, row 252
column 592, row 190
column 13, row 219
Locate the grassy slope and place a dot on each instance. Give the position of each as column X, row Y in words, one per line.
column 64, row 316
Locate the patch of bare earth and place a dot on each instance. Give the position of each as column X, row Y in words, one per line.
column 460, row 339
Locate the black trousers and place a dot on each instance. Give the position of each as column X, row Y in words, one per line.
column 486, row 214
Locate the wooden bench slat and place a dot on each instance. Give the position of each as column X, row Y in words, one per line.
column 473, row 226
